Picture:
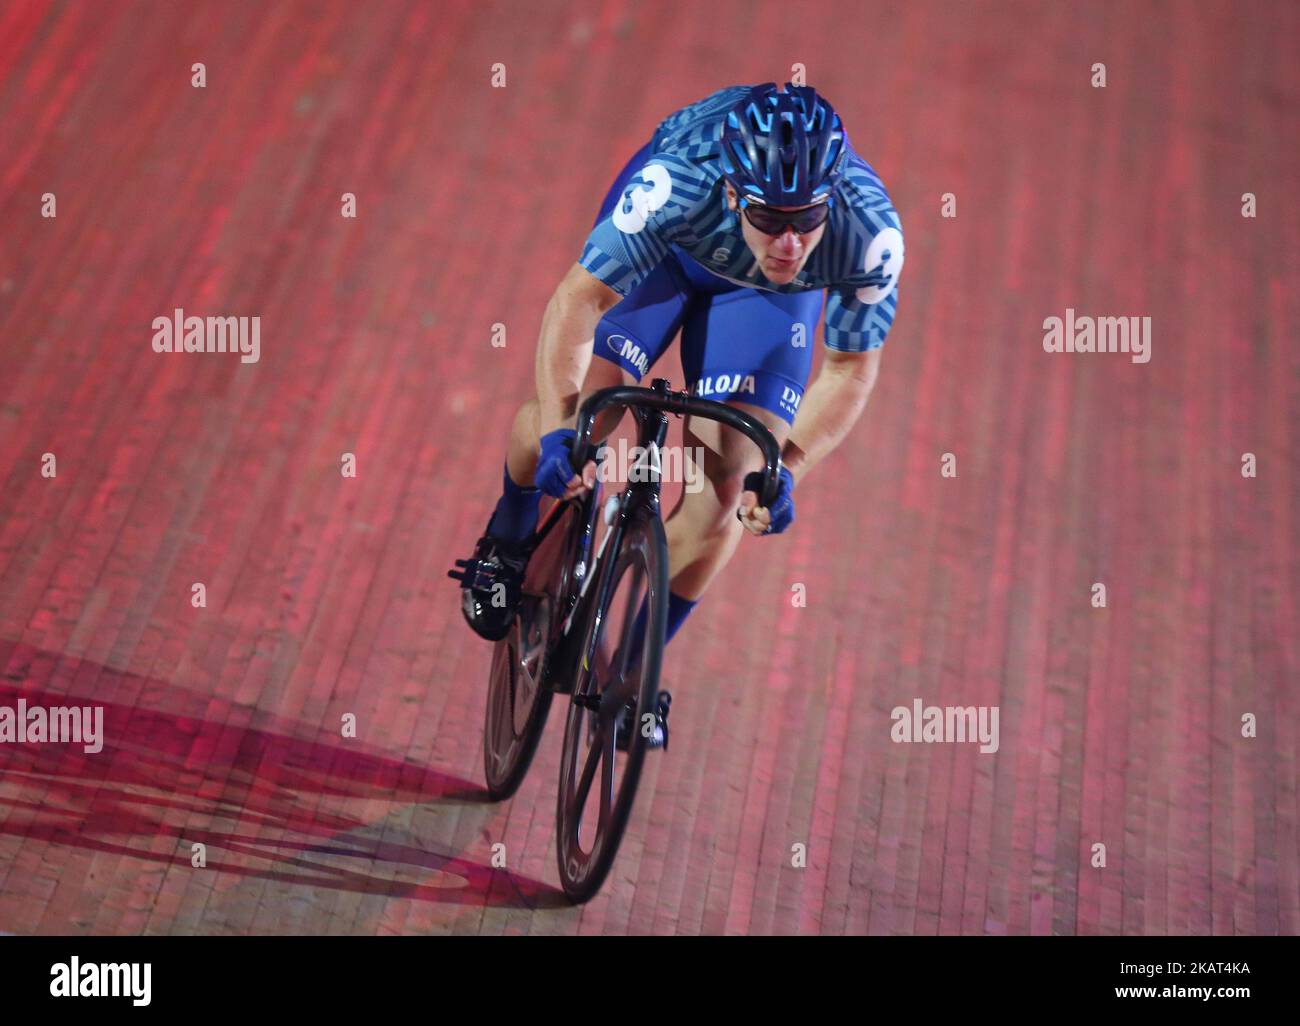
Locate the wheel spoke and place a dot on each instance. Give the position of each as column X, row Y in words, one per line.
column 630, row 611
column 533, row 634
column 531, row 650
column 589, row 766
column 505, row 694
column 607, row 775
column 613, row 678
column 522, row 695
column 503, row 735
column 506, row 731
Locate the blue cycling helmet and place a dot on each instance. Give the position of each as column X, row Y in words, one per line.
column 784, row 147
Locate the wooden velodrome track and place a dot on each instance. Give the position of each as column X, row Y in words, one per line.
column 326, row 595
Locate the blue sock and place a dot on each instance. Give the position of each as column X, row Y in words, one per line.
column 678, row 610
column 515, row 517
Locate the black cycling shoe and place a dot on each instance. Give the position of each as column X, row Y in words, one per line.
column 491, row 582
column 627, row 719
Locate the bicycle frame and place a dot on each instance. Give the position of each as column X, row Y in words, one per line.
column 568, row 656
column 650, row 408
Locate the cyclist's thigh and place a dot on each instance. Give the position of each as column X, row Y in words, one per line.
column 753, row 350
column 726, row 456
column 637, row 330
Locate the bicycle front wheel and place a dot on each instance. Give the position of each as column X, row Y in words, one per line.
column 598, row 776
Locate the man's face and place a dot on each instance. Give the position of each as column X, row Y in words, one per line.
column 780, row 257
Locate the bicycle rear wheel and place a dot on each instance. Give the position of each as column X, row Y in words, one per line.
column 598, row 782
column 518, row 703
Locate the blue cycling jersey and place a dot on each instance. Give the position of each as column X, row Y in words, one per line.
column 678, row 198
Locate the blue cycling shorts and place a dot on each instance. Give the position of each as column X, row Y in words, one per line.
column 737, row 343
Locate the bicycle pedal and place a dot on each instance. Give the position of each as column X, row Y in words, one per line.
column 629, row 721
column 663, row 701
column 475, row 574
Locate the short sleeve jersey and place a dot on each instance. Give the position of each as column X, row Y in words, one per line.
column 679, row 199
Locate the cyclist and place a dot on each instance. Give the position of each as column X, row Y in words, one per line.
column 729, row 225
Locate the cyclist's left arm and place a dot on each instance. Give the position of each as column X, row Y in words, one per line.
column 829, row 409
column 831, row 406
column 859, row 312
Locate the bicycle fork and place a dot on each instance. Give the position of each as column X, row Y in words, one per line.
column 571, row 655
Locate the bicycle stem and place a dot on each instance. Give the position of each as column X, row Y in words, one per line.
column 661, row 398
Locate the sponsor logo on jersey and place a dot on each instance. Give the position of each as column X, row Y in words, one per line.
column 725, row 384
column 790, row 399
column 624, row 348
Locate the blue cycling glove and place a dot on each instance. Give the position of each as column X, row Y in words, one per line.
column 554, row 470
column 782, row 509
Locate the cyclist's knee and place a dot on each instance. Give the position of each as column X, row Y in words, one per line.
column 605, row 374
column 523, row 430
column 726, row 471
column 526, row 415
column 714, row 507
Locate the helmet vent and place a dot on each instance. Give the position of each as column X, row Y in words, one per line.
column 785, row 145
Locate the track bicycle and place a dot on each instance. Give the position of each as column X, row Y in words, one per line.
column 575, row 634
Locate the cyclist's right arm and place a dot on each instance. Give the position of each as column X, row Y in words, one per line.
column 623, row 246
column 564, row 348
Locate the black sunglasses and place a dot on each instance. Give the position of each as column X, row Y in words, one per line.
column 774, row 222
